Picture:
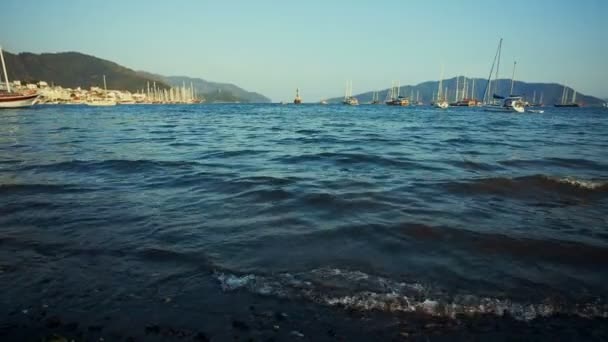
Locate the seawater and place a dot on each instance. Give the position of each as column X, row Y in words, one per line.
column 365, row 208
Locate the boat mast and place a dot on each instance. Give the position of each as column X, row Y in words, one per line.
column 534, row 97
column 488, row 90
column 456, row 96
column 564, row 94
column 573, row 96
column 105, row 88
column 473, row 89
column 496, row 84
column 513, row 77
column 8, row 86
column 439, row 94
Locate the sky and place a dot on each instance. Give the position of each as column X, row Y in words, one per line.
column 273, row 47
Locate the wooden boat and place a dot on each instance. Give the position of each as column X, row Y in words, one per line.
column 10, row 99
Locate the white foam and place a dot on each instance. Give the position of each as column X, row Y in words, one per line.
column 586, row 184
column 391, row 296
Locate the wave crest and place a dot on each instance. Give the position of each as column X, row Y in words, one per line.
column 355, row 290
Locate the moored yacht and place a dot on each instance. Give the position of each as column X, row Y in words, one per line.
column 349, row 99
column 10, row 99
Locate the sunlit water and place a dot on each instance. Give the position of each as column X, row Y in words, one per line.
column 369, row 207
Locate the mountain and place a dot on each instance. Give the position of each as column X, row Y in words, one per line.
column 211, row 91
column 72, row 70
column 551, row 92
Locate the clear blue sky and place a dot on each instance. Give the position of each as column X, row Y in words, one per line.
column 273, row 46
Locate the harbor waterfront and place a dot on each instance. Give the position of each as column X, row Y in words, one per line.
column 302, row 222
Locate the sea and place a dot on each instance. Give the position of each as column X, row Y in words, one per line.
column 302, row 222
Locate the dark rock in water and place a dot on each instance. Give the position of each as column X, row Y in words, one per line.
column 240, row 325
column 95, row 328
column 153, row 329
column 201, row 337
column 71, row 326
column 53, row 322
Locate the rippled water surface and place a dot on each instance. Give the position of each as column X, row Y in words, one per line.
column 369, row 207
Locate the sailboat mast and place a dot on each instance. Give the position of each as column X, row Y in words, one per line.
column 496, row 84
column 439, row 94
column 488, row 90
column 564, row 94
column 8, row 85
column 473, row 90
column 534, row 97
column 513, row 77
column 104, row 83
column 456, row 97
column 573, row 96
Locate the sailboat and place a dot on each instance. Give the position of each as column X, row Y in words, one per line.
column 102, row 102
column 395, row 99
column 499, row 103
column 441, row 102
column 564, row 102
column 298, row 99
column 10, row 99
column 348, row 95
column 375, row 99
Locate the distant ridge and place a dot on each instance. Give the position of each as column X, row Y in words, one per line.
column 211, row 91
column 72, row 70
column 552, row 92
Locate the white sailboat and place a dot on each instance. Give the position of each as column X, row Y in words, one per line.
column 10, row 99
column 441, row 101
column 349, row 99
column 497, row 103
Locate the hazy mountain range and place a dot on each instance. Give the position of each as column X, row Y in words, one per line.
column 551, row 92
column 212, row 91
column 74, row 69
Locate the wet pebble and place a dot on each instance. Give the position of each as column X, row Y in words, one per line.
column 281, row 316
column 296, row 333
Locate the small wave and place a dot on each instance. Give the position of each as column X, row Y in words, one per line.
column 9, row 189
column 356, row 158
column 264, row 195
column 308, row 131
column 475, row 166
column 118, row 165
column 355, row 290
column 571, row 163
column 238, row 153
column 557, row 251
column 537, row 187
